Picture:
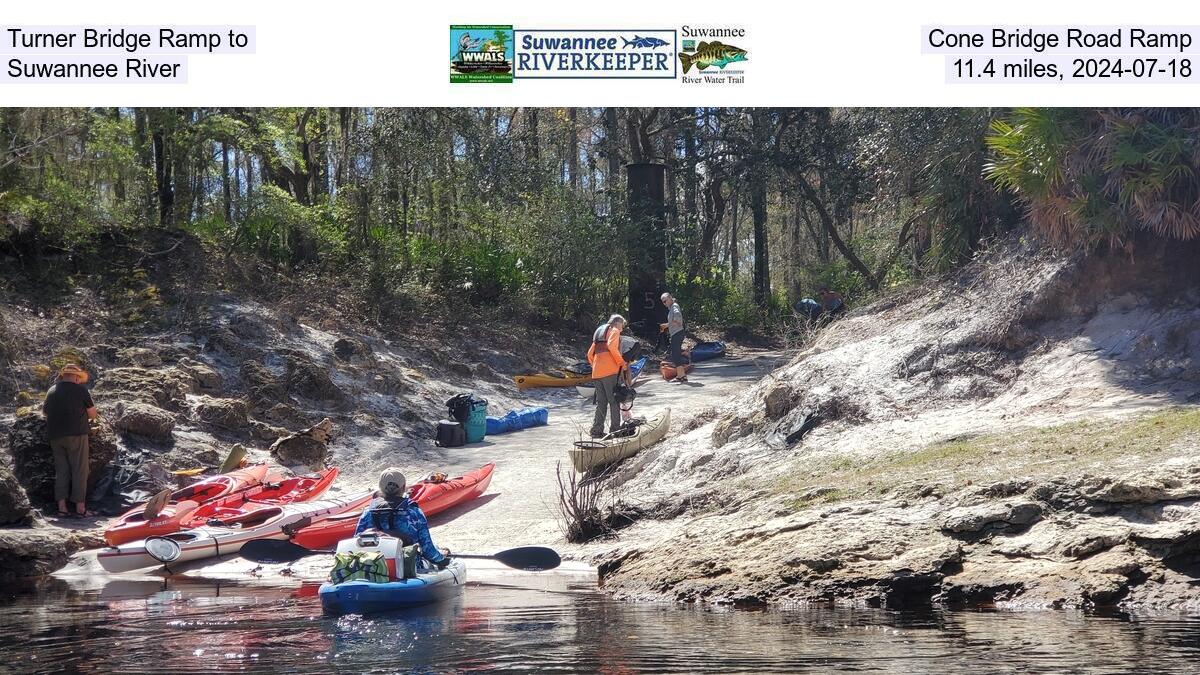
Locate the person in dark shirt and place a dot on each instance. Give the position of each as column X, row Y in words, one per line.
column 68, row 409
column 832, row 302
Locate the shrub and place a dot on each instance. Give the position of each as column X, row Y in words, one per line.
column 1090, row 176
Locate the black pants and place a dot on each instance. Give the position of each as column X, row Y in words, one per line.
column 677, row 348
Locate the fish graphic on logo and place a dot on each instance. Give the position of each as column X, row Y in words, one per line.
column 713, row 53
column 639, row 42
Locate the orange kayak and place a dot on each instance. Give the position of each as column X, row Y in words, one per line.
column 287, row 491
column 132, row 525
column 431, row 497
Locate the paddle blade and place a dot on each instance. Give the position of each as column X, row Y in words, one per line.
column 275, row 551
column 533, row 558
column 155, row 504
column 233, row 460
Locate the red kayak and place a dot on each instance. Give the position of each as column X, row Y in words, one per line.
column 287, row 491
column 431, row 497
column 132, row 525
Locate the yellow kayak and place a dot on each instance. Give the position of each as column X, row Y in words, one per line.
column 554, row 378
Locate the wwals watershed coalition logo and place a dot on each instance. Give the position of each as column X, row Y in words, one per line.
column 481, row 53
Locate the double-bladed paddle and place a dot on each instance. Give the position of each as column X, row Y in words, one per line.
column 532, row 558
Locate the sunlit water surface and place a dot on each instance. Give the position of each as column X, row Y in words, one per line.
column 181, row 625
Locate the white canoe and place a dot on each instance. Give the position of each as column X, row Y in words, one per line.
column 616, row 449
column 210, row 541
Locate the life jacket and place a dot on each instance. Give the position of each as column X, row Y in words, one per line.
column 367, row 566
column 600, row 339
column 384, row 517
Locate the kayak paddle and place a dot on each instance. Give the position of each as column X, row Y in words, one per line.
column 524, row 557
column 532, row 558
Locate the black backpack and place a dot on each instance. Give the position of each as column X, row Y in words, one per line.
column 460, row 407
column 450, row 434
column 624, row 393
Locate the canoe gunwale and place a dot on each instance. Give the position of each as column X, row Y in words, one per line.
column 586, row 459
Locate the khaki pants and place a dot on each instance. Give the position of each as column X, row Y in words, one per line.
column 70, row 468
column 606, row 404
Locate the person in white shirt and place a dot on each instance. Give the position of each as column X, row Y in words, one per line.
column 674, row 326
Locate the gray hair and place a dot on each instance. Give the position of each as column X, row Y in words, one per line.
column 615, row 318
column 666, row 295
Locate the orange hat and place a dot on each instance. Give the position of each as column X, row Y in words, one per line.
column 72, row 370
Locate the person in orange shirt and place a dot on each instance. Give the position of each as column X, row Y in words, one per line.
column 608, row 367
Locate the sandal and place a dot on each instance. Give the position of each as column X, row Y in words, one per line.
column 88, row 513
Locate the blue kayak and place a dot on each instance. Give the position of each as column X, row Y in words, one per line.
column 704, row 351
column 364, row 597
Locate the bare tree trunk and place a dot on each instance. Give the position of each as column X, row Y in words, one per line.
column 119, row 183
column 690, row 182
column 162, row 180
column 758, row 210
column 797, row 214
column 10, row 140
column 404, row 197
column 237, row 185
column 249, row 177
column 714, row 216
column 632, row 124
column 681, row 238
column 343, row 165
column 830, row 227
column 532, row 149
column 181, row 180
column 226, row 191
column 573, row 149
column 734, row 256
column 612, row 149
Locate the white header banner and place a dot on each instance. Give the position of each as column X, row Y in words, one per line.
column 697, row 53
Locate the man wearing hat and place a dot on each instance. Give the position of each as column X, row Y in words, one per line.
column 395, row 514
column 68, row 408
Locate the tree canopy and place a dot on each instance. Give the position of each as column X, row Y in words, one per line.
column 527, row 206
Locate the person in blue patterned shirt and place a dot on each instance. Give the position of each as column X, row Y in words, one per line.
column 395, row 514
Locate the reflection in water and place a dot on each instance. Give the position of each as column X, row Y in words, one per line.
column 186, row 625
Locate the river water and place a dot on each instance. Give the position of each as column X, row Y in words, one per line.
column 183, row 625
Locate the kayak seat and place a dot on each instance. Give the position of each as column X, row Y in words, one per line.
column 200, row 494
column 246, row 519
column 221, row 513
